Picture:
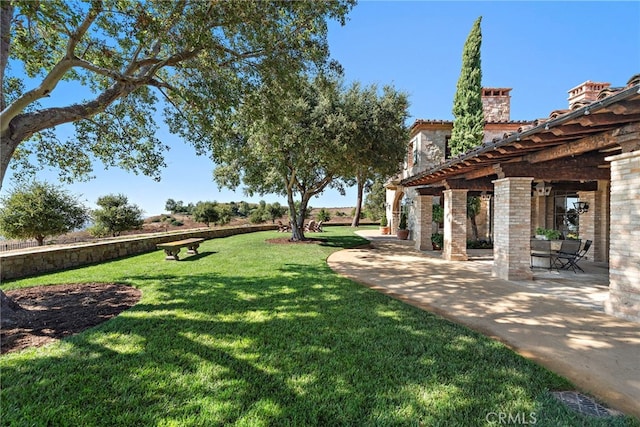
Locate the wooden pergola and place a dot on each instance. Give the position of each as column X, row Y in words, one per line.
column 568, row 146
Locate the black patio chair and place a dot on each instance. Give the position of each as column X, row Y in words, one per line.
column 569, row 254
column 582, row 253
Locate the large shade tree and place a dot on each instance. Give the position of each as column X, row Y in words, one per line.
column 468, row 122
column 375, row 135
column 285, row 140
column 199, row 57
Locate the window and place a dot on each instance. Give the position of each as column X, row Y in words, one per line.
column 410, row 158
column 566, row 219
column 447, row 148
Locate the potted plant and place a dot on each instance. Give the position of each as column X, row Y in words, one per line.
column 437, row 240
column 384, row 225
column 547, row 234
column 403, row 232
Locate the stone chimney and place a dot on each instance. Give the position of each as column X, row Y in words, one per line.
column 585, row 93
column 496, row 103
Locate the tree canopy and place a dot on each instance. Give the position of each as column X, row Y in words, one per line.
column 285, row 140
column 468, row 122
column 375, row 135
column 199, row 57
column 374, row 203
column 38, row 210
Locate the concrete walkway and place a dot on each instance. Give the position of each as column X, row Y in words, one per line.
column 599, row 353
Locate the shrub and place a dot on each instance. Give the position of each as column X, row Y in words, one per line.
column 323, row 215
column 403, row 221
column 479, row 244
column 438, row 214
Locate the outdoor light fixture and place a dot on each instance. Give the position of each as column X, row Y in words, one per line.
column 587, row 112
column 542, row 190
column 581, row 207
column 546, row 127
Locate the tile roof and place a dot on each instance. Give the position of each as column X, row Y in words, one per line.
column 614, row 107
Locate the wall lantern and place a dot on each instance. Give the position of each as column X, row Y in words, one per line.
column 542, row 190
column 581, row 207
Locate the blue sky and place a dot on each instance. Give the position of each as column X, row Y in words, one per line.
column 540, row 49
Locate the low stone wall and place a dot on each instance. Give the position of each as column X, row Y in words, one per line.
column 38, row 260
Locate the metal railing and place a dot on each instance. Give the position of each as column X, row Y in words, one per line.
column 16, row 245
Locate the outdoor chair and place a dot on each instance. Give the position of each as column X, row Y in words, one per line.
column 572, row 262
column 568, row 255
column 282, row 228
column 311, row 226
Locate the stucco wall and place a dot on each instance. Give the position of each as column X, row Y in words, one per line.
column 32, row 261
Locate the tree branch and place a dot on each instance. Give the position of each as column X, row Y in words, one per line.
column 54, row 76
column 76, row 36
column 6, row 15
column 25, row 125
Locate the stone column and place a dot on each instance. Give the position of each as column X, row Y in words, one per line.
column 455, row 225
column 395, row 221
column 587, row 230
column 601, row 229
column 422, row 227
column 512, row 228
column 539, row 211
column 624, row 250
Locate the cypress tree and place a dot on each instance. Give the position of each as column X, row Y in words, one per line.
column 468, row 122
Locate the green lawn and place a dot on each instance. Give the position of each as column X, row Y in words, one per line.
column 255, row 334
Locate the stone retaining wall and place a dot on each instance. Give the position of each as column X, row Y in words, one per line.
column 14, row 265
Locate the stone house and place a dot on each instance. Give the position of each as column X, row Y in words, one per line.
column 429, row 147
column 534, row 174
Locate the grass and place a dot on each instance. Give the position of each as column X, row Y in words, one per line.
column 254, row 334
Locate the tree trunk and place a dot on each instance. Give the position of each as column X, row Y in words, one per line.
column 474, row 227
column 356, row 217
column 11, row 311
column 40, row 240
column 296, row 220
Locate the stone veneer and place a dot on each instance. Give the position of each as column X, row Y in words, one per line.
column 423, row 224
column 455, row 225
column 512, row 228
column 588, row 220
column 624, row 252
column 496, row 104
column 39, row 260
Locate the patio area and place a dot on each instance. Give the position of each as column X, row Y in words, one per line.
column 589, row 289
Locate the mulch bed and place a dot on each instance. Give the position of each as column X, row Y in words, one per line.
column 53, row 312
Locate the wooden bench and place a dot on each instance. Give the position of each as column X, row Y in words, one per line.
column 171, row 249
